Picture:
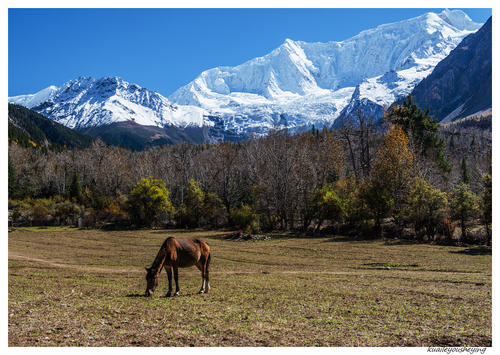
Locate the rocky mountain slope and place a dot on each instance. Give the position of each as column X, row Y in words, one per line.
column 460, row 85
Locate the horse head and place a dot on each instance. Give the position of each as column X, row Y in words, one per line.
column 151, row 280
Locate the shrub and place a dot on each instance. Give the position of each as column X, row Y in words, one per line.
column 40, row 215
column 427, row 207
column 20, row 212
column 327, row 205
column 464, row 206
column 245, row 219
column 191, row 211
column 45, row 211
column 379, row 203
column 42, row 211
column 214, row 213
column 355, row 212
column 447, row 228
column 111, row 213
column 200, row 208
column 148, row 203
column 182, row 217
column 67, row 213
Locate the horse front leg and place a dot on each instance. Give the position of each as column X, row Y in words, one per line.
column 168, row 269
column 176, row 278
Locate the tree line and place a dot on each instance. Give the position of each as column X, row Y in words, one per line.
column 407, row 176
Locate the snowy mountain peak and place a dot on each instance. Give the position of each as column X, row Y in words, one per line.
column 459, row 19
column 88, row 102
column 36, row 99
column 315, row 81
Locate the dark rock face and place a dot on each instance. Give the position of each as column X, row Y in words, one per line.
column 460, row 85
column 359, row 108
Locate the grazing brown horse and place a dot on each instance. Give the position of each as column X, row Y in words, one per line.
column 176, row 253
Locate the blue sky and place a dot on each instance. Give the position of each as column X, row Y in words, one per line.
column 163, row 49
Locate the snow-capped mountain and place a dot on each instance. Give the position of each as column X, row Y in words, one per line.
column 32, row 100
column 297, row 85
column 88, row 102
column 312, row 83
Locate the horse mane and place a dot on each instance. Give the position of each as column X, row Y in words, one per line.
column 160, row 257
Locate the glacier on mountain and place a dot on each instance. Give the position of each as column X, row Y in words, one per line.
column 297, row 85
column 314, row 83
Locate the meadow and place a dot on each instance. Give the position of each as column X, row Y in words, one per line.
column 70, row 287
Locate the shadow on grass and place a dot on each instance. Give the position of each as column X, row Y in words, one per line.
column 355, row 238
column 397, row 241
column 482, row 250
column 162, row 296
column 183, row 231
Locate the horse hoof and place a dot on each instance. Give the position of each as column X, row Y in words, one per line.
column 201, row 291
column 169, row 294
column 176, row 294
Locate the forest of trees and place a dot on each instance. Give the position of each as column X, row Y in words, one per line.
column 408, row 177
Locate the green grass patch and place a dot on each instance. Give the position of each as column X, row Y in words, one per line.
column 70, row 287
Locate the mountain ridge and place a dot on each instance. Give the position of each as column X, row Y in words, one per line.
column 88, row 102
column 297, row 85
column 326, row 75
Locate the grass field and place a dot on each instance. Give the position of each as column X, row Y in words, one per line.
column 70, row 287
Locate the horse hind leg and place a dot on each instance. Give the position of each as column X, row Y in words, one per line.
column 206, row 278
column 176, row 279
column 201, row 266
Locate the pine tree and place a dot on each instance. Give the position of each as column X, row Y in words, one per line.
column 422, row 130
column 464, row 206
column 13, row 186
column 464, row 171
column 193, row 202
column 452, row 143
column 486, row 206
column 75, row 189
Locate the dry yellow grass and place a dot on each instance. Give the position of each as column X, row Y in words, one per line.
column 70, row 287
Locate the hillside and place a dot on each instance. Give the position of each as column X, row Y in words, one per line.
column 134, row 136
column 460, row 85
column 30, row 129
